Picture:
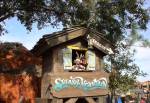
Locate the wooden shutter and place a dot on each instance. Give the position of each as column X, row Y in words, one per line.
column 91, row 60
column 67, row 58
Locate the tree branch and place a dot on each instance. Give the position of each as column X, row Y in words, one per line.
column 7, row 15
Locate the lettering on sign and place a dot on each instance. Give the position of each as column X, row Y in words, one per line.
column 80, row 83
column 92, row 41
column 102, row 46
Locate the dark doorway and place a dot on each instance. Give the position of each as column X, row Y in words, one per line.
column 81, row 100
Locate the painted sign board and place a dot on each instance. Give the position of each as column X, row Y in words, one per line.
column 79, row 83
column 76, row 84
column 94, row 42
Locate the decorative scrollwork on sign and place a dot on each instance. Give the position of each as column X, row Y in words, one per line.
column 80, row 83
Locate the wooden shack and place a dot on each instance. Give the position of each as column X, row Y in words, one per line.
column 73, row 65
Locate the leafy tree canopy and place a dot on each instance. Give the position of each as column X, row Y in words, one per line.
column 124, row 73
column 111, row 17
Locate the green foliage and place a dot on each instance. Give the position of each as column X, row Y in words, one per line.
column 134, row 37
column 124, row 71
column 146, row 43
column 42, row 12
column 111, row 17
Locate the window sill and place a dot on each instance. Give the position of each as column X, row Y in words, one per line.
column 81, row 70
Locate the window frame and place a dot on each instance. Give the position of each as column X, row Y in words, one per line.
column 86, row 56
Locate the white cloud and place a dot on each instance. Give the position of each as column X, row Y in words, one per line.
column 142, row 53
column 142, row 59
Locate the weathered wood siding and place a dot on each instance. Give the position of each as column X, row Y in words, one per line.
column 53, row 63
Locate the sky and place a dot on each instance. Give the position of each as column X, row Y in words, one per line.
column 18, row 33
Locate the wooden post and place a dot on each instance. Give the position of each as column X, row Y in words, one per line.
column 57, row 100
column 102, row 99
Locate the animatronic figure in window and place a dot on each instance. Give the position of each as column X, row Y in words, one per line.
column 80, row 62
